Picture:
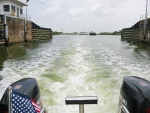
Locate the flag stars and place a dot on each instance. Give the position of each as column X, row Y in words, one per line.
column 22, row 104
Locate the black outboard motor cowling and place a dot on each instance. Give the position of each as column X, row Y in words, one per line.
column 134, row 95
column 28, row 87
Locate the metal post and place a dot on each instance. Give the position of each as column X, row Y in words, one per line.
column 146, row 7
column 24, row 28
column 5, row 29
column 10, row 99
column 26, row 13
column 81, row 108
column 81, row 100
column 4, row 18
column 145, row 22
column 25, row 31
column 25, row 23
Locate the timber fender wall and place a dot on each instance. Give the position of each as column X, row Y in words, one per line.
column 136, row 32
column 2, row 38
column 130, row 34
column 41, row 34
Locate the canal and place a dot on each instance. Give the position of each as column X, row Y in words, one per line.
column 76, row 66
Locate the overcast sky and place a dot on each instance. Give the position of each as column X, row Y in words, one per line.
column 86, row 15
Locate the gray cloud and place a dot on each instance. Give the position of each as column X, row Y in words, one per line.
column 83, row 15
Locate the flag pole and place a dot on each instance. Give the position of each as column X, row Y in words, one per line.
column 9, row 99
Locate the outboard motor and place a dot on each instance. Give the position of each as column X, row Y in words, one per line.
column 134, row 95
column 28, row 87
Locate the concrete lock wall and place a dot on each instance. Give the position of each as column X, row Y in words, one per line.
column 19, row 30
column 16, row 30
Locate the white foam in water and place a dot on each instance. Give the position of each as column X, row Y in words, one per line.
column 75, row 67
column 32, row 67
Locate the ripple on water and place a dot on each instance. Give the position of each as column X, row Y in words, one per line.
column 75, row 66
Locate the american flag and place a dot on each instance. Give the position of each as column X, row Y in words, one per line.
column 23, row 104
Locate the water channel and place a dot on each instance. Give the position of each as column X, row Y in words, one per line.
column 76, row 66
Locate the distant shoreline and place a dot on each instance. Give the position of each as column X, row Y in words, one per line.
column 75, row 33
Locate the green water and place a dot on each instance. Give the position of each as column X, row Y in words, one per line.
column 75, row 66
